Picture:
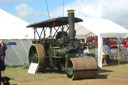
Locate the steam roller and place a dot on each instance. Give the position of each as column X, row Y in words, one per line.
column 60, row 50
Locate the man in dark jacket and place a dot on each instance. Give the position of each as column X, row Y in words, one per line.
column 2, row 54
column 2, row 49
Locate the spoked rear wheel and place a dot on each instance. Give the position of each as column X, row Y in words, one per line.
column 37, row 55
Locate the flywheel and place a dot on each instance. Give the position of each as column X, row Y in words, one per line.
column 83, row 67
column 37, row 55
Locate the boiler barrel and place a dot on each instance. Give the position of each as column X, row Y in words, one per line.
column 60, row 52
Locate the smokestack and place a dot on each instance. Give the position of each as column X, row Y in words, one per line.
column 71, row 24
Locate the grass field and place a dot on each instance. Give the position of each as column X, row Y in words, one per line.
column 108, row 75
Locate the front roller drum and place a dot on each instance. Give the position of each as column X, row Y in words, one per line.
column 83, row 67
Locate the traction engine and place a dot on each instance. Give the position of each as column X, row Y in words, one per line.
column 61, row 50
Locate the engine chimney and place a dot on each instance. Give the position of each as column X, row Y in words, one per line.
column 71, row 24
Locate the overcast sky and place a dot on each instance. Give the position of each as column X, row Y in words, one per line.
column 36, row 10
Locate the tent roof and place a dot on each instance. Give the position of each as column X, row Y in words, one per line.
column 13, row 28
column 81, row 30
column 102, row 27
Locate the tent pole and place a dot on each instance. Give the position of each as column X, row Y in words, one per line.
column 118, row 55
column 100, row 51
column 94, row 45
column 34, row 33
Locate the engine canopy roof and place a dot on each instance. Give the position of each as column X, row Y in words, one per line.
column 54, row 22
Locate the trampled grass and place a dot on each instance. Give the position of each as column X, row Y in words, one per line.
column 108, row 75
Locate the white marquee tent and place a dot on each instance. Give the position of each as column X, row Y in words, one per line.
column 103, row 29
column 13, row 30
